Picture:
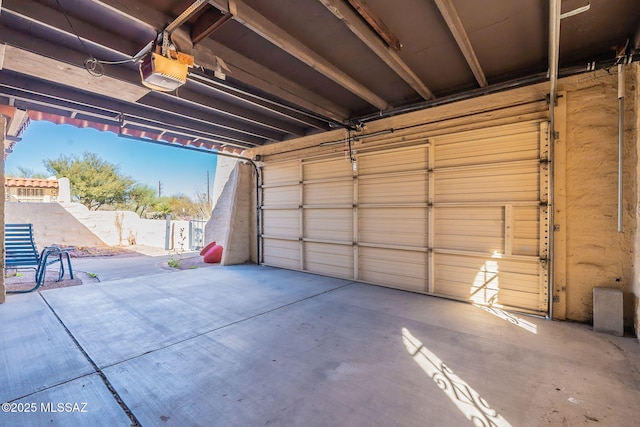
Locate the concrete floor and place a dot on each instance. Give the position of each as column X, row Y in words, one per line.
column 108, row 268
column 255, row 346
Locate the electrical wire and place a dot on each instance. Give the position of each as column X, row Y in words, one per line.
column 349, row 148
column 94, row 66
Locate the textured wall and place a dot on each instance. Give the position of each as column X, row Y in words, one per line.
column 636, row 139
column 231, row 222
column 239, row 234
column 597, row 254
column 217, row 226
column 72, row 224
column 224, row 167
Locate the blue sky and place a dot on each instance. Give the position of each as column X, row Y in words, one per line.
column 180, row 171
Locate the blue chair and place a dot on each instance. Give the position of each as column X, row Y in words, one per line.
column 21, row 253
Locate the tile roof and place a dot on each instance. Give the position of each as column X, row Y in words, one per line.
column 30, row 182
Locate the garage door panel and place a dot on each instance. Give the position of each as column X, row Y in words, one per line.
column 334, row 260
column 465, row 223
column 396, row 268
column 516, row 182
column 470, row 243
column 519, row 300
column 282, row 222
column 281, row 253
column 477, row 229
column 519, row 281
column 506, row 148
column 472, row 227
column 281, row 173
column 394, row 226
column 393, row 189
column 329, row 193
column 403, row 160
column 279, row 196
column 480, row 191
column 334, row 168
column 487, row 280
column 516, row 137
column 526, row 236
column 329, row 224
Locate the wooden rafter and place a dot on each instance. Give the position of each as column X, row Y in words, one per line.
column 262, row 26
column 210, row 20
column 376, row 23
column 369, row 38
column 450, row 15
column 242, row 68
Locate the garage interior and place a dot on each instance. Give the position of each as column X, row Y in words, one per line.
column 483, row 152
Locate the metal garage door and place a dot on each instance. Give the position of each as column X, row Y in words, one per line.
column 490, row 216
column 460, row 215
column 307, row 215
column 393, row 217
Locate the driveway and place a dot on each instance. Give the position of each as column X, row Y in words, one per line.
column 254, row 346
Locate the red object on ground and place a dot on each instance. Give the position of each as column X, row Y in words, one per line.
column 213, row 255
column 206, row 248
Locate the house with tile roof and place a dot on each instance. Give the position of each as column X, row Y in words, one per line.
column 31, row 189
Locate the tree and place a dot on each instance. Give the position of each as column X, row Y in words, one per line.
column 162, row 207
column 141, row 197
column 23, row 172
column 185, row 208
column 94, row 182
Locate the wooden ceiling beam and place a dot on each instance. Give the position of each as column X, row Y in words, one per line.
column 256, row 75
column 242, row 68
column 52, row 19
column 376, row 24
column 120, row 85
column 343, row 12
column 210, row 20
column 451, row 17
column 262, row 26
column 41, row 94
column 163, row 101
column 40, row 15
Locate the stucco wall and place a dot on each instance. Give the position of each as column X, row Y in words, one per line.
column 597, row 254
column 231, row 222
column 239, row 238
column 636, row 140
column 52, row 224
column 72, row 224
column 216, row 228
column 224, row 167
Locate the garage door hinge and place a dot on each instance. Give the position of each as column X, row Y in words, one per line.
column 556, row 298
column 556, row 227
